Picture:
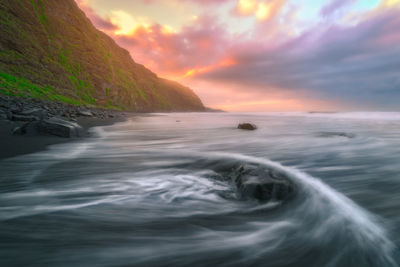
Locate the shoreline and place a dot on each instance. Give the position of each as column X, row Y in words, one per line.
column 17, row 145
column 20, row 119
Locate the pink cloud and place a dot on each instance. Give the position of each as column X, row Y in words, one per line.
column 99, row 22
column 358, row 63
column 203, row 2
column 198, row 45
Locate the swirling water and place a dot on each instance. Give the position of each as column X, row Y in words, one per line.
column 150, row 192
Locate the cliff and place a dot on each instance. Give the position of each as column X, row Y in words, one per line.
column 50, row 50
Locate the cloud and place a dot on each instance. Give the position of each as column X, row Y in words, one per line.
column 335, row 5
column 358, row 64
column 261, row 10
column 99, row 22
column 211, row 2
column 202, row 2
column 390, row 3
column 195, row 47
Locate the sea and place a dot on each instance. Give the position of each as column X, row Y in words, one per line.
column 157, row 190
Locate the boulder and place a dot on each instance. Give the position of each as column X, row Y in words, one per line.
column 85, row 113
column 52, row 126
column 247, row 126
column 59, row 127
column 19, row 130
column 28, row 128
column 3, row 115
column 253, row 182
column 18, row 117
column 36, row 112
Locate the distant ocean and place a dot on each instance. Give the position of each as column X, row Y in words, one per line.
column 152, row 192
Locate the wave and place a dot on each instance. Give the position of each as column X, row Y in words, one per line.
column 184, row 208
column 319, row 227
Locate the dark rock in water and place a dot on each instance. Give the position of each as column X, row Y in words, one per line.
column 333, row 134
column 262, row 184
column 85, row 113
column 247, row 126
column 59, row 127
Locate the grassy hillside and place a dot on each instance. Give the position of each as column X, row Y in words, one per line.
column 50, row 50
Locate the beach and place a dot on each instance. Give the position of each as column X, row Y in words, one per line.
column 163, row 190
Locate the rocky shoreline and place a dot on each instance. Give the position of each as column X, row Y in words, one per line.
column 29, row 125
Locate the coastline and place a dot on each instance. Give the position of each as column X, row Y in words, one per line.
column 19, row 112
column 16, row 145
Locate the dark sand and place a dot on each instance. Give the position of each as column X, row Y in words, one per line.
column 15, row 145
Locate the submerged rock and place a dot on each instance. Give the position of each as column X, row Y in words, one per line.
column 247, row 126
column 262, row 184
column 333, row 134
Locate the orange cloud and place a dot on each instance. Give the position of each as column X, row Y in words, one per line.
column 261, row 10
column 223, row 63
column 247, row 7
column 269, row 10
column 390, row 3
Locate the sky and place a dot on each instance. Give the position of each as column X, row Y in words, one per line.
column 265, row 55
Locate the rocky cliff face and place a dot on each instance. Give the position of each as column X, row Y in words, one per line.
column 50, row 50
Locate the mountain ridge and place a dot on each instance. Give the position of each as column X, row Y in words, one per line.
column 49, row 49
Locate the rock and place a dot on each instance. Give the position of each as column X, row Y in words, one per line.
column 17, row 117
column 37, row 112
column 254, row 182
column 3, row 115
column 59, row 127
column 247, row 126
column 20, row 130
column 85, row 113
column 29, row 128
column 333, row 134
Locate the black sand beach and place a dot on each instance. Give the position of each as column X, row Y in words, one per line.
column 12, row 145
column 15, row 145
column 190, row 189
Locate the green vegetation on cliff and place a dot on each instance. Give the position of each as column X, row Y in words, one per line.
column 50, row 50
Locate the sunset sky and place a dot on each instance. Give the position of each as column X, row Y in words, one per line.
column 260, row 55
